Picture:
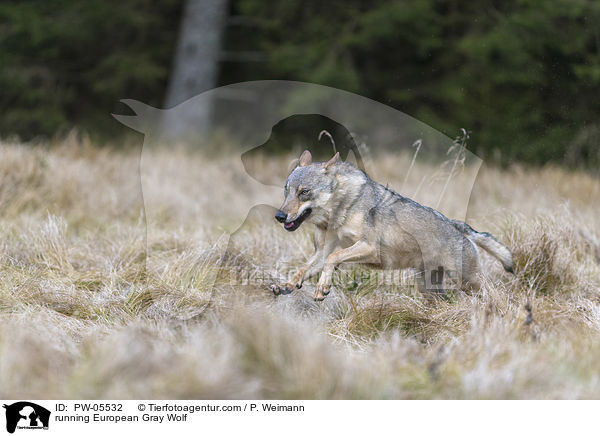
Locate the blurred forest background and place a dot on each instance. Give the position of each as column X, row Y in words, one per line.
column 522, row 75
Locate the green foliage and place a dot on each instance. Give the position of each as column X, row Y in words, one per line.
column 67, row 63
column 522, row 75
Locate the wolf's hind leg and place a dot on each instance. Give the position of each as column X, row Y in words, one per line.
column 471, row 270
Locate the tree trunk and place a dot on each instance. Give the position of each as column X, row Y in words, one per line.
column 195, row 66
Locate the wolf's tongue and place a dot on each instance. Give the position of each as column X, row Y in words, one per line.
column 288, row 225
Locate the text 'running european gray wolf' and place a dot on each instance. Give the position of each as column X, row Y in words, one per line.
column 361, row 221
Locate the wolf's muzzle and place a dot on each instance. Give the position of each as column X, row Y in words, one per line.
column 290, row 226
column 280, row 216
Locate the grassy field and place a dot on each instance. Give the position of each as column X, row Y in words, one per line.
column 84, row 313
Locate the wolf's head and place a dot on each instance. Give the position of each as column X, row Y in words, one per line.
column 307, row 192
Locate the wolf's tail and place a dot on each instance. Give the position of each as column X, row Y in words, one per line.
column 488, row 243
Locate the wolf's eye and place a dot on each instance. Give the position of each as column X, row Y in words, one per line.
column 304, row 194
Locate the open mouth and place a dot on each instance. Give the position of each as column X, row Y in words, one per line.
column 293, row 225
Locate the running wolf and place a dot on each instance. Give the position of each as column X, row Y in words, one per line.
column 359, row 220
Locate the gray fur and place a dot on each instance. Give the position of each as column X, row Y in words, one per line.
column 360, row 220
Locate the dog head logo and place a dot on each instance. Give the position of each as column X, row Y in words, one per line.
column 264, row 122
column 26, row 415
column 319, row 134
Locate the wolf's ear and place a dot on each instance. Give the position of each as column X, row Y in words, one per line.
column 331, row 161
column 305, row 159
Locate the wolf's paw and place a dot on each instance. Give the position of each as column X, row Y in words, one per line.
column 296, row 281
column 320, row 293
column 293, row 284
column 286, row 288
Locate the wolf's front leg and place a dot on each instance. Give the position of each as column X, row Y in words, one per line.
column 361, row 251
column 297, row 279
column 313, row 266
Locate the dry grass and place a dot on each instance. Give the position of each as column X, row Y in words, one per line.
column 84, row 313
